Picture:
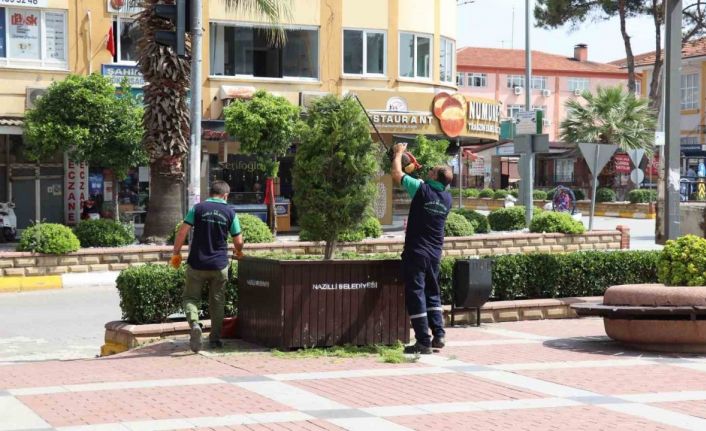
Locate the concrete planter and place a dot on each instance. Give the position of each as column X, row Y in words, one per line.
column 653, row 316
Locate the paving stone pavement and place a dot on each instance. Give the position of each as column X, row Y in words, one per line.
column 536, row 375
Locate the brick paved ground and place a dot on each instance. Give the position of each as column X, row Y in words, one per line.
column 536, row 375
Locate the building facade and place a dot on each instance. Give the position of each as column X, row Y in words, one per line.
column 395, row 55
column 499, row 74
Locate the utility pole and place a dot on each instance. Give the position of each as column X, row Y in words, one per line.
column 673, row 20
column 194, row 187
column 527, row 160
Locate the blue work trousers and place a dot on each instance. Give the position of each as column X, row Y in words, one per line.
column 423, row 297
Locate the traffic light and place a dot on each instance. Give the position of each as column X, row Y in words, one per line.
column 179, row 15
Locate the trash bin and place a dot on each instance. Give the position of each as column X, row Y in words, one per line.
column 472, row 282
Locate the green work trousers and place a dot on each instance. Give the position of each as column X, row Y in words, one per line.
column 216, row 281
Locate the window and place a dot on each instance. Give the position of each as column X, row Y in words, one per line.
column 513, row 110
column 447, row 59
column 540, row 83
column 477, row 80
column 127, row 34
column 580, row 84
column 542, row 108
column 690, row 142
column 460, row 79
column 515, row 81
column 245, row 51
column 33, row 38
column 690, row 91
column 638, row 88
column 564, row 170
column 415, row 56
column 364, row 52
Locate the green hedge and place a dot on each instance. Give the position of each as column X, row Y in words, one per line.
column 457, row 225
column 486, row 193
column 605, row 195
column 515, row 193
column 104, row 233
column 683, row 262
column 642, row 196
column 151, row 293
column 579, row 195
column 553, row 222
column 500, row 194
column 471, row 193
column 50, row 238
column 254, row 229
column 539, row 195
column 504, row 219
column 478, row 221
column 586, row 273
column 370, row 227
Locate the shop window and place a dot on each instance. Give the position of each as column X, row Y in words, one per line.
column 477, row 80
column 127, row 35
column 580, row 84
column 363, row 52
column 690, row 142
column 461, row 79
column 540, row 83
column 515, row 81
column 448, row 49
column 33, row 38
column 690, row 91
column 415, row 56
column 247, row 51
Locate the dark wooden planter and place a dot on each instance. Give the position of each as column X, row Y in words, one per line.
column 292, row 304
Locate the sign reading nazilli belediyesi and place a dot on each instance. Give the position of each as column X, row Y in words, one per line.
column 345, row 286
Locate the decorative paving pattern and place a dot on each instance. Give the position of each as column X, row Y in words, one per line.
column 537, row 375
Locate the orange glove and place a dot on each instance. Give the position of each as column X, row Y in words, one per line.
column 175, row 261
column 239, row 255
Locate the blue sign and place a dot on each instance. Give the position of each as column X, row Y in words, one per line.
column 117, row 72
column 2, row 33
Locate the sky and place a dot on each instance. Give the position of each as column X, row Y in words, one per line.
column 488, row 24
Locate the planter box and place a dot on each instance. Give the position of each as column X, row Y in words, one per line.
column 292, row 304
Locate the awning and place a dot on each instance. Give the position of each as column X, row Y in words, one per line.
column 227, row 92
column 11, row 125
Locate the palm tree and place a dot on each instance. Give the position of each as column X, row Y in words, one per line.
column 166, row 116
column 611, row 116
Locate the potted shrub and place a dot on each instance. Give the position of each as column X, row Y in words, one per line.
column 305, row 303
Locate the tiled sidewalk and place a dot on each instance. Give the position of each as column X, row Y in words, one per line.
column 540, row 375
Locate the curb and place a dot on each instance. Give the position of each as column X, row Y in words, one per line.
column 12, row 284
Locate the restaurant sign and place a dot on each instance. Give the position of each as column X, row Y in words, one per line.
column 117, row 72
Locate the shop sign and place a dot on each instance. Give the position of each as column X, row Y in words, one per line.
column 484, row 116
column 24, row 3
column 117, row 72
column 401, row 120
column 477, row 167
column 123, row 6
column 653, row 166
column 24, row 33
column 75, row 190
column 622, row 164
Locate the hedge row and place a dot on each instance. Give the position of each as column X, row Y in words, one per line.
column 151, row 293
column 537, row 194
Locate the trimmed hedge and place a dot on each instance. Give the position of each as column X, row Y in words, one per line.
column 512, row 218
column 104, row 233
column 579, row 195
column 478, row 221
column 486, row 193
column 539, row 195
column 471, row 193
column 50, row 238
column 254, row 230
column 642, row 196
column 370, row 227
column 605, row 195
column 500, row 194
column 683, row 262
column 541, row 275
column 151, row 293
column 553, row 222
column 515, row 194
column 457, row 225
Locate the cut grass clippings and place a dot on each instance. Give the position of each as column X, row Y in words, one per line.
column 389, row 354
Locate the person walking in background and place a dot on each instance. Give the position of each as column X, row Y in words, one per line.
column 213, row 221
column 423, row 244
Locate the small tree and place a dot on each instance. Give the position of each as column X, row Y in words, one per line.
column 334, row 169
column 265, row 126
column 84, row 117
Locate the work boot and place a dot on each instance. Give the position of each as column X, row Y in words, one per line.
column 418, row 349
column 438, row 343
column 215, row 344
column 195, row 337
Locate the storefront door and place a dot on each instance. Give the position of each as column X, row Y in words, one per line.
column 23, row 191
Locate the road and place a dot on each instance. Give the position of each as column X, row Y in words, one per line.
column 55, row 324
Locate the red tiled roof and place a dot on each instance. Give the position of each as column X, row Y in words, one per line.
column 694, row 48
column 470, row 57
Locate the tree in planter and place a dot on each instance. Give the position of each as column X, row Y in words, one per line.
column 166, row 117
column 334, row 169
column 265, row 126
column 85, row 118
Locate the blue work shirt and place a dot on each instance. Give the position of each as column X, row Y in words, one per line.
column 431, row 204
column 212, row 221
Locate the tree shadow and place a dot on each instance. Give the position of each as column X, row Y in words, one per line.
column 605, row 346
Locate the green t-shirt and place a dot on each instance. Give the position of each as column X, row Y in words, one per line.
column 411, row 185
column 234, row 227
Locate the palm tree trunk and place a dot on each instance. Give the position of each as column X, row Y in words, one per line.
column 165, row 205
column 655, row 87
column 628, row 46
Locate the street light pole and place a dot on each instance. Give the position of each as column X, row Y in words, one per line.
column 527, row 160
column 194, row 186
column 673, row 20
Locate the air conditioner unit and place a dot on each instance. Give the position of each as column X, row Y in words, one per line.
column 546, row 93
column 577, row 92
column 33, row 94
column 517, row 90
